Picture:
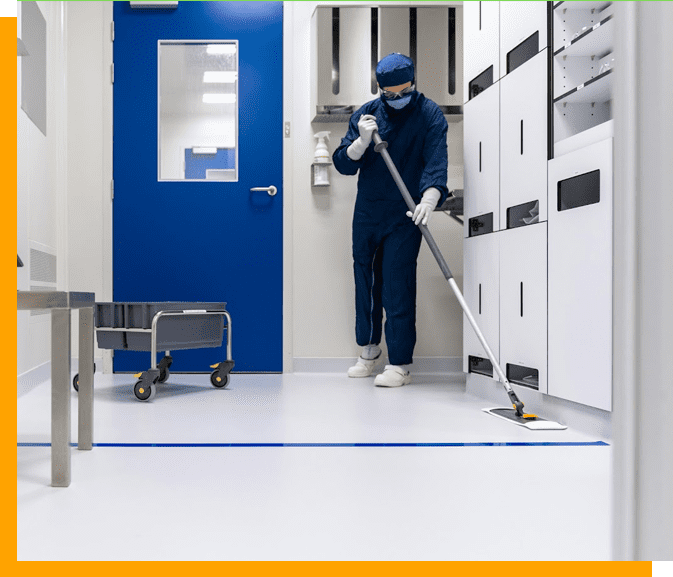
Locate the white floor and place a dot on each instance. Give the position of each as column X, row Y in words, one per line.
column 479, row 501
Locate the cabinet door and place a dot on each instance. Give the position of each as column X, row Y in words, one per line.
column 523, row 32
column 482, row 41
column 481, row 288
column 523, row 305
column 523, row 140
column 580, row 276
column 481, row 152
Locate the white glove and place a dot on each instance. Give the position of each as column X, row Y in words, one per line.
column 366, row 125
column 424, row 208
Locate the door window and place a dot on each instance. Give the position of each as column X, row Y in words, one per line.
column 198, row 110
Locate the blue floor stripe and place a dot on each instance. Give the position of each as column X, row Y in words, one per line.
column 251, row 445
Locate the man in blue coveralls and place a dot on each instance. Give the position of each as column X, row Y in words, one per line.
column 386, row 238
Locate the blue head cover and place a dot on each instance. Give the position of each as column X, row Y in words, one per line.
column 394, row 69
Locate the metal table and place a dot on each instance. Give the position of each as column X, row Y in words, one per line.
column 60, row 304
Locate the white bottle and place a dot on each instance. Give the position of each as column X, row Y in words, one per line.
column 321, row 161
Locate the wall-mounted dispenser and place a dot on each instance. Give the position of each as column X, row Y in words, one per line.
column 347, row 43
column 321, row 161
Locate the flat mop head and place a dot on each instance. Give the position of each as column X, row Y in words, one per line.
column 532, row 422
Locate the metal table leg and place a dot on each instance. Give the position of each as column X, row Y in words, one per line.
column 85, row 397
column 60, row 397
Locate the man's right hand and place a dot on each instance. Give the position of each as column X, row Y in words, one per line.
column 367, row 126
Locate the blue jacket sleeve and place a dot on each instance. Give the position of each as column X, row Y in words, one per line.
column 342, row 162
column 435, row 155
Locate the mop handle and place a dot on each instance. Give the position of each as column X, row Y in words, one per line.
column 380, row 147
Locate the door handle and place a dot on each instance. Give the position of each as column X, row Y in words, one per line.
column 272, row 190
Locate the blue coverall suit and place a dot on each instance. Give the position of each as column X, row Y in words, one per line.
column 386, row 242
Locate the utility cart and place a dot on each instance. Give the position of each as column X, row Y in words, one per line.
column 163, row 326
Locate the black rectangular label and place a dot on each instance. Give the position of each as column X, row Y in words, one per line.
column 481, row 224
column 579, row 190
column 524, row 376
column 480, row 366
column 523, row 214
column 481, row 82
column 523, row 52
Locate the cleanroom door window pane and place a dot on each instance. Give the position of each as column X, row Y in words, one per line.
column 198, row 110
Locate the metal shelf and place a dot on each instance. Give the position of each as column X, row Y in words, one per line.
column 597, row 41
column 597, row 89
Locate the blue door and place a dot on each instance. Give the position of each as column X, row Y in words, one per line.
column 198, row 96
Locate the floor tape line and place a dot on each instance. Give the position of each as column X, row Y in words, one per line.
column 255, row 445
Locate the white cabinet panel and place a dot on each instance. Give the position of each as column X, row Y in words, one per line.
column 481, row 31
column 523, row 137
column 519, row 21
column 580, row 276
column 352, row 80
column 523, row 304
column 481, row 153
column 434, row 71
column 481, row 290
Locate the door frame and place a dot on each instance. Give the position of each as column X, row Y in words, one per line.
column 288, row 181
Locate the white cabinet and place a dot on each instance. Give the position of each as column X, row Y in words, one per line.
column 347, row 43
column 481, row 151
column 482, row 41
column 523, row 305
column 433, row 38
column 523, row 32
column 481, row 291
column 439, row 62
column 580, row 276
column 523, row 141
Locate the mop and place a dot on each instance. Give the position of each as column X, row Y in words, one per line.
column 515, row 415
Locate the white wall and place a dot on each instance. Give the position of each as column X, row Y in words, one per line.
column 89, row 151
column 63, row 190
column 319, row 243
column 41, row 186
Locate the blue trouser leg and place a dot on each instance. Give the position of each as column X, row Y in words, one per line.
column 400, row 253
column 368, row 304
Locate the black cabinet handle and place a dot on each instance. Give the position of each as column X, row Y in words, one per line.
column 522, row 299
column 479, row 298
column 522, row 136
column 336, row 28
column 452, row 51
column 480, row 157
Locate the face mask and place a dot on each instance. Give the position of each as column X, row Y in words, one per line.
column 399, row 103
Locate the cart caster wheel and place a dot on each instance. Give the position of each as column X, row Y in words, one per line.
column 143, row 392
column 75, row 381
column 163, row 376
column 221, row 383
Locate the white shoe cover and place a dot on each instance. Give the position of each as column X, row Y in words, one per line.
column 363, row 367
column 393, row 376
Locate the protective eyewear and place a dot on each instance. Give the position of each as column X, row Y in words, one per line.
column 393, row 95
